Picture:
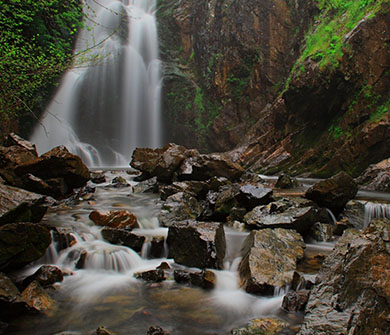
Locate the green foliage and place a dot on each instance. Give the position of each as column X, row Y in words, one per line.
column 35, row 47
column 381, row 111
column 324, row 42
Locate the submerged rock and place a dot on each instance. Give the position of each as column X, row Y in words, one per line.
column 334, row 192
column 18, row 205
column 205, row 279
column 115, row 219
column 21, row 244
column 269, row 259
column 155, row 276
column 197, row 244
column 352, row 293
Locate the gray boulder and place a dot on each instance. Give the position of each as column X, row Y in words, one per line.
column 197, row 244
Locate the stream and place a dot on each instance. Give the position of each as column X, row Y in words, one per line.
column 105, row 292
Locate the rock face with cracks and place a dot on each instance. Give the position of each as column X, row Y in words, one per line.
column 352, row 294
column 269, row 259
column 197, row 244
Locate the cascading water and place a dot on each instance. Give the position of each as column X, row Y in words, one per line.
column 109, row 104
column 374, row 210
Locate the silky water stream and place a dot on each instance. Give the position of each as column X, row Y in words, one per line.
column 105, row 293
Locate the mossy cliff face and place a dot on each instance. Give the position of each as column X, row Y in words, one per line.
column 224, row 61
column 334, row 111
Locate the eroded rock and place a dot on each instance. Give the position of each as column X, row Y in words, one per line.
column 269, row 259
column 352, row 292
column 46, row 276
column 123, row 237
column 115, row 219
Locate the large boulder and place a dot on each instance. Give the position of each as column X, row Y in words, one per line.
column 197, row 244
column 204, row 167
column 251, row 195
column 352, row 293
column 21, row 244
column 36, row 297
column 17, row 205
column 57, row 163
column 334, row 192
column 161, row 163
column 288, row 213
column 269, row 259
column 115, row 219
column 178, row 207
column 376, row 177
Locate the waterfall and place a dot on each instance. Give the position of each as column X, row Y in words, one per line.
column 374, row 210
column 109, row 102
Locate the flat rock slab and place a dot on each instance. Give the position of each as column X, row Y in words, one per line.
column 269, row 259
column 197, row 244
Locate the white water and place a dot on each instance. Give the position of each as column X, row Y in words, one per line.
column 374, row 210
column 109, row 104
column 105, row 290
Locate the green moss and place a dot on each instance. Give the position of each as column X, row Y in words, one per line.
column 381, row 111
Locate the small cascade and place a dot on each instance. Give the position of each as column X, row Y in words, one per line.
column 331, row 215
column 110, row 103
column 375, row 210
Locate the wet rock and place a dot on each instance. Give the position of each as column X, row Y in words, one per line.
column 17, row 205
column 123, row 237
column 82, row 258
column 21, row 244
column 157, row 247
column 63, row 237
column 286, row 182
column 204, row 167
column 298, row 281
column 251, row 196
column 354, row 214
column 226, row 201
column 37, row 298
column 262, row 326
column 197, row 244
column 98, row 177
column 295, row 301
column 376, row 177
column 334, row 192
column 46, row 276
column 285, row 213
column 155, row 276
column 156, row 330
column 115, row 219
column 54, row 187
column 146, row 186
column 11, row 302
column 322, row 232
column 57, row 163
column 179, row 206
column 269, row 259
column 196, row 189
column 205, row 279
column 120, row 182
column 161, row 163
column 103, row 331
column 352, row 294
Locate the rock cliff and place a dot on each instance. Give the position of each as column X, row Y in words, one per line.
column 299, row 86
